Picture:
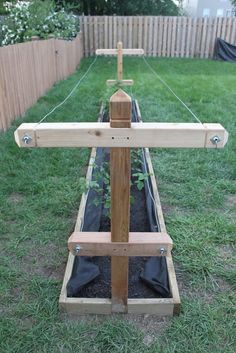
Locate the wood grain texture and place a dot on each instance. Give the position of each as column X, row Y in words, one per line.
column 122, row 82
column 28, row 70
column 177, row 36
column 115, row 51
column 139, row 244
column 120, row 173
column 168, row 135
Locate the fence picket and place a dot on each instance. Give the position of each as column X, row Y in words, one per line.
column 28, row 70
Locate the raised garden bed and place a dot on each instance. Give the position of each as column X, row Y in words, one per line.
column 146, row 216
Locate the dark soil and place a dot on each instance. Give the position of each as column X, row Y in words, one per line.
column 101, row 286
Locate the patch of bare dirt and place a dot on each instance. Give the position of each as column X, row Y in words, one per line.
column 226, row 251
column 15, row 198
column 170, row 210
column 231, row 201
column 44, row 262
column 151, row 325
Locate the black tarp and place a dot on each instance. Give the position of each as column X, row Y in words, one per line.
column 224, row 51
column 154, row 273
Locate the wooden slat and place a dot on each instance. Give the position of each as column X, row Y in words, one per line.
column 122, row 82
column 130, row 31
column 110, row 37
column 139, row 244
column 203, row 41
column 91, row 41
column 164, row 43
column 150, row 36
column 100, row 32
column 233, row 32
column 198, row 37
column 169, row 36
column 135, row 32
column 145, row 35
column 161, row 306
column 86, row 41
column 80, row 306
column 183, row 37
column 106, row 33
column 96, row 44
column 115, row 51
column 125, row 32
column 119, row 29
column 160, row 39
column 155, row 30
column 223, row 28
column 185, row 135
column 188, row 37
column 193, row 42
column 208, row 37
column 178, row 36
column 219, row 27
column 173, row 41
column 140, row 32
column 115, row 32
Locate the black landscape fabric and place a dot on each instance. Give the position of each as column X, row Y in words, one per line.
column 225, row 51
column 85, row 269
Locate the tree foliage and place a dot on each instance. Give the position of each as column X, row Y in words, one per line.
column 122, row 7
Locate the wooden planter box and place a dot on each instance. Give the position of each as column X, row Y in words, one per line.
column 158, row 306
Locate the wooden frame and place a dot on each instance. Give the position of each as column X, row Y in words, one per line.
column 158, row 306
column 181, row 135
column 139, row 244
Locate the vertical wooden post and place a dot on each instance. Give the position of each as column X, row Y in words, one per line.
column 119, row 61
column 120, row 170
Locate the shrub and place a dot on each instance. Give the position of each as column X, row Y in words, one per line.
column 36, row 18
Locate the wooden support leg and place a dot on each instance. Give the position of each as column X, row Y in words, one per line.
column 120, row 170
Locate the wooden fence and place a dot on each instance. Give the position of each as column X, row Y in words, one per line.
column 158, row 36
column 28, row 70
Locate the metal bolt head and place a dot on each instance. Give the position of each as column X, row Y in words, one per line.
column 215, row 140
column 163, row 251
column 77, row 249
column 26, row 139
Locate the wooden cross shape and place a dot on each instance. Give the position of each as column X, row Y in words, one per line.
column 120, row 134
column 120, row 52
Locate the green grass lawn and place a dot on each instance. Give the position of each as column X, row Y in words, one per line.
column 39, row 199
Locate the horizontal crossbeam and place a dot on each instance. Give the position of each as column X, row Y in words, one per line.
column 115, row 51
column 167, row 135
column 100, row 244
column 120, row 82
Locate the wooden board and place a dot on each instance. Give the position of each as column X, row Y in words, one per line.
column 120, row 110
column 139, row 244
column 122, row 82
column 115, row 51
column 185, row 135
column 158, row 306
